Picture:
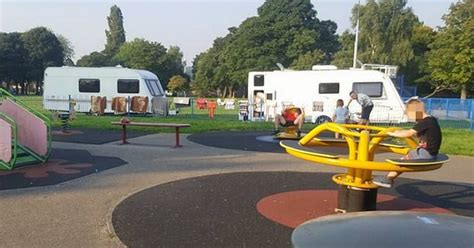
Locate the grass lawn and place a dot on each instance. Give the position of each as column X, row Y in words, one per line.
column 456, row 141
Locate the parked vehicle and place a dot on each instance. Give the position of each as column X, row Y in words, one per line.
column 317, row 90
column 81, row 83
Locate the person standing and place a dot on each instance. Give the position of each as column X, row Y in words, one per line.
column 341, row 115
column 365, row 102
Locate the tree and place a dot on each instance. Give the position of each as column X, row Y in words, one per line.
column 95, row 59
column 145, row 55
column 307, row 60
column 68, row 50
column 13, row 58
column 178, row 84
column 386, row 28
column 343, row 58
column 44, row 50
column 451, row 59
column 283, row 32
column 116, row 33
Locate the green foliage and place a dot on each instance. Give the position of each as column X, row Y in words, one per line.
column 145, row 55
column 178, row 83
column 343, row 58
column 13, row 57
column 116, row 33
column 44, row 50
column 68, row 49
column 95, row 59
column 451, row 60
column 285, row 31
column 307, row 60
column 386, row 28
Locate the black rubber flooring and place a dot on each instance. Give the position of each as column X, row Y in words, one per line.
column 220, row 210
column 63, row 165
column 245, row 141
column 96, row 136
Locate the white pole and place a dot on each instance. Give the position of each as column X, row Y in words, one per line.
column 354, row 62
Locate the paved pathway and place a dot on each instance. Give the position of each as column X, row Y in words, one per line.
column 77, row 213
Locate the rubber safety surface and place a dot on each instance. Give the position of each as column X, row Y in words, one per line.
column 258, row 209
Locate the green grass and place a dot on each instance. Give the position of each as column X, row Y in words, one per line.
column 456, row 141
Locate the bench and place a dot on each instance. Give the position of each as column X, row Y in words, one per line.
column 149, row 124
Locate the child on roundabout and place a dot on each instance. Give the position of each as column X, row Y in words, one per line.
column 291, row 116
column 341, row 115
column 428, row 131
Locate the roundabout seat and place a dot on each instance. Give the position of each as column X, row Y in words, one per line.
column 357, row 192
column 290, row 131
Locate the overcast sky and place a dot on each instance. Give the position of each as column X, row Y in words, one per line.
column 190, row 24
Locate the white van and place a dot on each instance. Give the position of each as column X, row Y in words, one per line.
column 317, row 90
column 80, row 83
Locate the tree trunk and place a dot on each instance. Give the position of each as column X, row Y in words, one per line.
column 224, row 92
column 463, row 92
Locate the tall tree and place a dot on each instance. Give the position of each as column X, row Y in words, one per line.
column 95, row 59
column 451, row 60
column 285, row 31
column 13, row 58
column 68, row 50
column 44, row 50
column 146, row 55
column 116, row 33
column 386, row 28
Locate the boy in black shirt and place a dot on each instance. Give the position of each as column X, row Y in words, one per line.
column 429, row 133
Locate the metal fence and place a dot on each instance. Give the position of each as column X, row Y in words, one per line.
column 451, row 113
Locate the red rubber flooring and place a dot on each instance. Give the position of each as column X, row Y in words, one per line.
column 258, row 209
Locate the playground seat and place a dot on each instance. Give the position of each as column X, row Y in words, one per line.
column 440, row 159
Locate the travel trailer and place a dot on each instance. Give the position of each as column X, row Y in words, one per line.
column 62, row 84
column 317, row 90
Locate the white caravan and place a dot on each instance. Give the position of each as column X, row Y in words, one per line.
column 317, row 90
column 80, row 83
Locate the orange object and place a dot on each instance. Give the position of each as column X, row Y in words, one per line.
column 211, row 108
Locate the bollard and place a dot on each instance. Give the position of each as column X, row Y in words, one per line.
column 211, row 108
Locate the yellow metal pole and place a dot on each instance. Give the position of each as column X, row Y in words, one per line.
column 362, row 156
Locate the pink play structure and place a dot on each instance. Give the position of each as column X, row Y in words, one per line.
column 32, row 131
column 5, row 141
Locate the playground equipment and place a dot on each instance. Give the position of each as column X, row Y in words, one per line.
column 290, row 132
column 356, row 190
column 25, row 134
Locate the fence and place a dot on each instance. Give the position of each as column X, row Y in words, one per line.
column 451, row 113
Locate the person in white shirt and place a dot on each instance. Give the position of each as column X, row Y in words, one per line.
column 366, row 104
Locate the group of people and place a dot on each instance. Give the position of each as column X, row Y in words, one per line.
column 427, row 130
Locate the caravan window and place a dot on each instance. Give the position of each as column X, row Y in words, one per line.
column 329, row 88
column 128, row 86
column 258, row 80
column 372, row 89
column 88, row 85
column 154, row 87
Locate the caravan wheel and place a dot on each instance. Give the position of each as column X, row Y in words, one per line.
column 322, row 119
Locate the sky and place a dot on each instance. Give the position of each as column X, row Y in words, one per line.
column 190, row 24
